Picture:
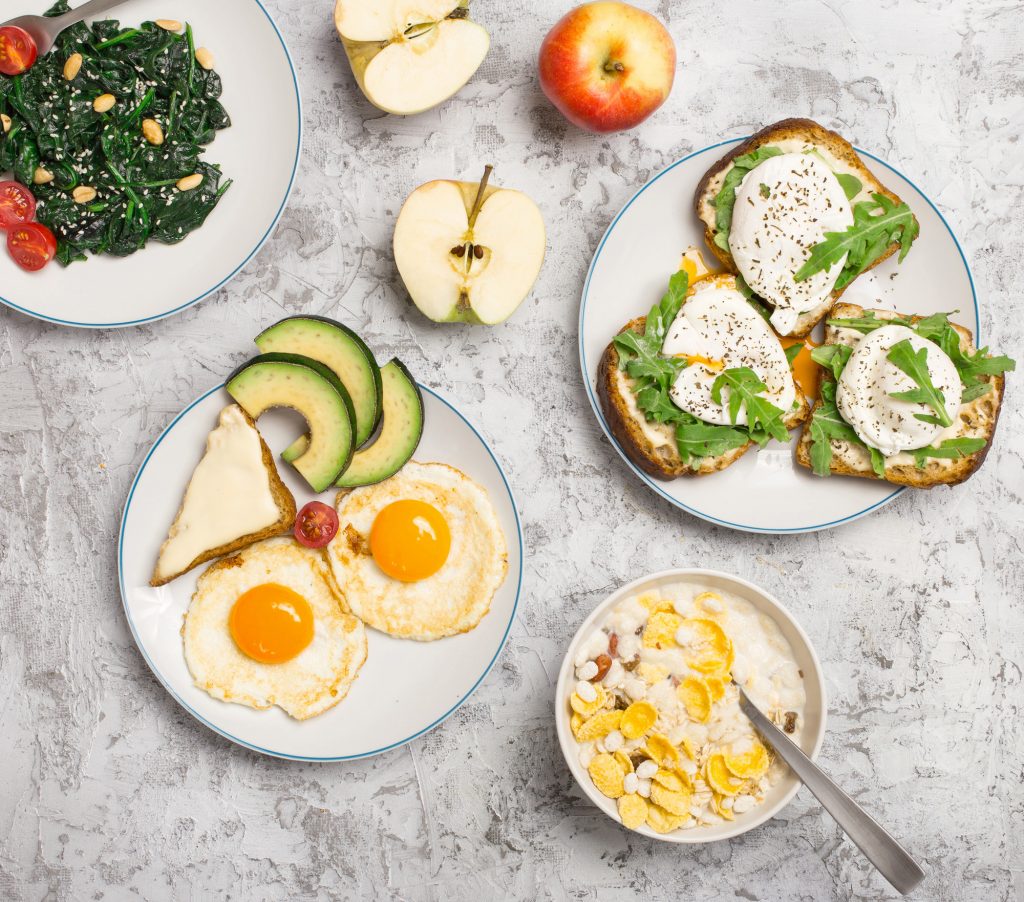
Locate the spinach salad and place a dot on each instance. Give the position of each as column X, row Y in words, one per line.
column 108, row 131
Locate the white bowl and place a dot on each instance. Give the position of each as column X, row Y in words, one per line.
column 814, row 711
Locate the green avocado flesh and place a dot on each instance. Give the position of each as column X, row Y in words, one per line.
column 340, row 350
column 303, row 384
column 399, row 435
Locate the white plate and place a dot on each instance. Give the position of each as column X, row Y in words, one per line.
column 404, row 689
column 260, row 152
column 765, row 491
column 815, row 709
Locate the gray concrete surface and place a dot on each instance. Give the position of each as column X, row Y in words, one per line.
column 109, row 791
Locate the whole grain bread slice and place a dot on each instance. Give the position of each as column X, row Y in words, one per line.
column 652, row 446
column 836, row 150
column 976, row 419
column 283, row 499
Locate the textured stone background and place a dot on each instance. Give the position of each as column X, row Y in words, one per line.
column 109, row 791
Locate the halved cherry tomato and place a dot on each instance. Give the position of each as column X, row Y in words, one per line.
column 316, row 525
column 17, row 204
column 17, row 50
column 32, row 245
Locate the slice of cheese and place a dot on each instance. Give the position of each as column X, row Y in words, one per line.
column 229, row 497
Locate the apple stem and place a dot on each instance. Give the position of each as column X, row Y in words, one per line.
column 476, row 253
column 479, row 202
column 615, row 66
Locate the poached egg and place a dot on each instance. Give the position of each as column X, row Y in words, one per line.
column 869, row 379
column 717, row 329
column 783, row 208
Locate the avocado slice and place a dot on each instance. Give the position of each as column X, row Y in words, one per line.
column 341, row 350
column 399, row 435
column 305, row 385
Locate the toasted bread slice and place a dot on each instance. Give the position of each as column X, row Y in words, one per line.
column 234, row 498
column 976, row 419
column 790, row 135
column 652, row 446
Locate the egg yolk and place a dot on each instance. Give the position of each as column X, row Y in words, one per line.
column 691, row 359
column 271, row 623
column 694, row 266
column 806, row 372
column 410, row 540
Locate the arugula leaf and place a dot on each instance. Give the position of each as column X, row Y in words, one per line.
column 764, row 419
column 951, row 449
column 725, row 200
column 827, row 424
column 877, row 461
column 866, row 323
column 851, row 184
column 936, row 327
column 792, row 352
column 697, row 440
column 641, row 355
column 915, row 364
column 663, row 314
column 832, row 357
column 876, row 225
column 978, row 365
column 975, row 391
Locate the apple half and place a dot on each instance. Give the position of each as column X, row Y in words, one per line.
column 468, row 252
column 410, row 55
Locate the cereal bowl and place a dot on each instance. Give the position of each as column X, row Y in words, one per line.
column 654, row 707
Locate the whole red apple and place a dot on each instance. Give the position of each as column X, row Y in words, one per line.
column 607, row 65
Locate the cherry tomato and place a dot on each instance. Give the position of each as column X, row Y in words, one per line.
column 316, row 525
column 17, row 204
column 17, row 50
column 32, row 245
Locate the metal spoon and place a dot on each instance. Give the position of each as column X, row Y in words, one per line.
column 891, row 859
column 44, row 31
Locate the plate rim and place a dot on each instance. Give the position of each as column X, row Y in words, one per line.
column 259, row 246
column 675, row 502
column 317, row 758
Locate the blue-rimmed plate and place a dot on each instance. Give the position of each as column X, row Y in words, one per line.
column 405, row 688
column 259, row 152
column 765, row 491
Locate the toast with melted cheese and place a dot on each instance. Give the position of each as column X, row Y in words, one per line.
column 234, row 498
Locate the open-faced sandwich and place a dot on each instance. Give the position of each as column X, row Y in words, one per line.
column 689, row 389
column 796, row 214
column 905, row 399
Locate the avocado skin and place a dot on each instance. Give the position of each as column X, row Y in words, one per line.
column 411, row 441
column 324, row 372
column 359, row 343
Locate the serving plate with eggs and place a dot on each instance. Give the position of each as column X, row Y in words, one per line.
column 761, row 489
column 328, row 653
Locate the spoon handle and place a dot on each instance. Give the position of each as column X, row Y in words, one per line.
column 92, row 8
column 891, row 859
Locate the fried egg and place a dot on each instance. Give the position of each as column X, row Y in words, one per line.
column 267, row 626
column 420, row 555
column 717, row 329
